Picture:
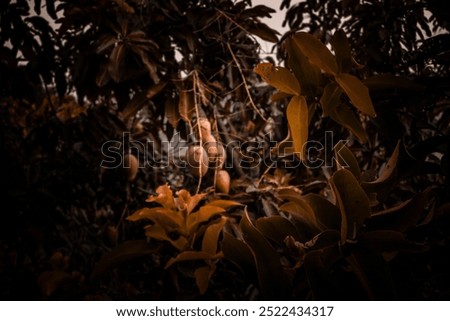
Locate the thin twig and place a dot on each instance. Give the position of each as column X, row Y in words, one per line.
column 252, row 103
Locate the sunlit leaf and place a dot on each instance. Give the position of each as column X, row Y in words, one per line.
column 277, row 228
column 297, row 116
column 331, row 98
column 123, row 253
column 279, row 77
column 166, row 217
column 357, row 92
column 225, row 204
column 346, row 159
column 211, row 237
column 204, row 214
column 187, row 202
column 164, row 197
column 273, row 281
column 353, row 202
column 317, row 52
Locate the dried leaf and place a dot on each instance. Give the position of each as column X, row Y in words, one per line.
column 297, row 116
column 279, row 77
column 357, row 92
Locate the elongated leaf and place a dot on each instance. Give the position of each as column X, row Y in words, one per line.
column 173, row 235
column 346, row 159
column 357, row 92
column 239, row 254
column 225, row 204
column 317, row 52
column 387, row 177
column 331, row 98
column 273, row 281
column 171, row 111
column 116, row 62
column 125, row 252
column 391, row 83
column 277, row 228
column 168, row 218
column 186, row 106
column 308, row 75
column 209, row 242
column 323, row 285
column 264, row 32
column 190, row 256
column 382, row 241
column 202, row 276
column 353, row 202
column 297, row 116
column 342, row 51
column 279, row 77
column 345, row 117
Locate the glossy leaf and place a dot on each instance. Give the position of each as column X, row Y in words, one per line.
column 279, row 77
column 346, row 159
column 273, row 281
column 357, row 92
column 331, row 98
column 317, row 53
column 123, row 253
column 277, row 228
column 297, row 116
column 353, row 202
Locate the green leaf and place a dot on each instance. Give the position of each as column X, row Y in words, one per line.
column 297, row 116
column 342, row 51
column 308, row 75
column 279, row 77
column 317, row 53
column 331, row 98
column 273, row 281
column 123, row 253
column 345, row 117
column 357, row 92
column 277, row 228
column 353, row 202
column 346, row 159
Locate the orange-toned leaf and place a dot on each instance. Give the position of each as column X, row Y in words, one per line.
column 347, row 118
column 202, row 276
column 357, row 92
column 186, row 105
column 297, row 116
column 279, row 77
column 346, row 159
column 171, row 111
column 164, row 197
column 159, row 232
column 342, row 51
column 209, row 242
column 277, row 228
column 317, row 53
column 225, row 204
column 202, row 215
column 191, row 256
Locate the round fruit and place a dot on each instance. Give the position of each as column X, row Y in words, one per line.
column 197, row 160
column 223, row 181
column 130, row 165
column 216, row 152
